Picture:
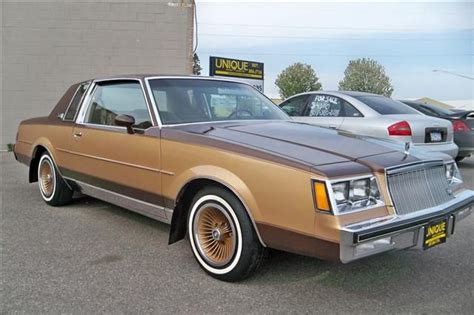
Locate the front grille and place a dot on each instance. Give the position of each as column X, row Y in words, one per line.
column 417, row 188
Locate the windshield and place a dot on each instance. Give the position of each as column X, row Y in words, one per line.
column 193, row 100
column 385, row 105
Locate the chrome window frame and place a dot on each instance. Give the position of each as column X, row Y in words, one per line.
column 86, row 102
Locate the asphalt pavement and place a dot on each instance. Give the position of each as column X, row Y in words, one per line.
column 91, row 257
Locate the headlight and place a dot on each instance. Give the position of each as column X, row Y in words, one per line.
column 452, row 174
column 356, row 194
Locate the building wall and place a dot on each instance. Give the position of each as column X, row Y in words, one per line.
column 49, row 45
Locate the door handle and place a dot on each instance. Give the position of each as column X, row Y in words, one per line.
column 77, row 134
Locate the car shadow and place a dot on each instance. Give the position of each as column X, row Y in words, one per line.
column 367, row 276
column 83, row 201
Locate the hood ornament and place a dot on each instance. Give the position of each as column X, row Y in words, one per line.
column 407, row 150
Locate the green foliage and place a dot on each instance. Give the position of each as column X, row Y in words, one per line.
column 10, row 147
column 297, row 78
column 196, row 65
column 366, row 75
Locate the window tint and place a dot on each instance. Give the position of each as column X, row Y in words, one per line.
column 191, row 100
column 112, row 99
column 438, row 110
column 325, row 106
column 295, row 106
column 76, row 101
column 385, row 106
column 351, row 111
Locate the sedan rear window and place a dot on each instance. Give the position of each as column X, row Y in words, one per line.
column 386, row 106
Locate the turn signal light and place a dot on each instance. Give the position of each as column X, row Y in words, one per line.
column 460, row 126
column 321, row 196
column 401, row 128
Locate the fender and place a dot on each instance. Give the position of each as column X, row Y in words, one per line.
column 221, row 176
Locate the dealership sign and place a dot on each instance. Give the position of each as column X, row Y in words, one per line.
column 250, row 72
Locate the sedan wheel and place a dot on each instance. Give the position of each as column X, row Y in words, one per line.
column 46, row 177
column 215, row 234
column 52, row 186
column 222, row 237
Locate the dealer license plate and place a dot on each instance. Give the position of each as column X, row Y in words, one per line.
column 436, row 136
column 435, row 233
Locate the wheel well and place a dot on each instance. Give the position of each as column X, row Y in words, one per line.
column 37, row 153
column 183, row 202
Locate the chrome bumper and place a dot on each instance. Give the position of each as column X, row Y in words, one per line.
column 372, row 237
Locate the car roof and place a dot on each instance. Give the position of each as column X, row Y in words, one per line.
column 337, row 93
column 151, row 75
column 356, row 93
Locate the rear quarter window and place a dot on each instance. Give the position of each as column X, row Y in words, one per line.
column 76, row 101
column 386, row 106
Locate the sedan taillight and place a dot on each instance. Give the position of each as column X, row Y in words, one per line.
column 401, row 128
column 460, row 126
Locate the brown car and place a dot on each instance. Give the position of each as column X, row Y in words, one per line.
column 221, row 163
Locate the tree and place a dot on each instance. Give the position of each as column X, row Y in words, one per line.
column 366, row 75
column 196, row 65
column 297, row 78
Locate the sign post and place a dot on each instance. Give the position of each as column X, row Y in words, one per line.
column 250, row 72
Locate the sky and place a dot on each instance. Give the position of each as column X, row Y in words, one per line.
column 410, row 39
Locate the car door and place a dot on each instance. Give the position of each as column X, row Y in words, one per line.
column 105, row 156
column 353, row 118
column 324, row 110
column 295, row 106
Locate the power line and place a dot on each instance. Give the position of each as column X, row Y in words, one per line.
column 325, row 38
column 315, row 27
column 333, row 55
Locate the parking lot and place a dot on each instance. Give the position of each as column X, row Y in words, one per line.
column 94, row 257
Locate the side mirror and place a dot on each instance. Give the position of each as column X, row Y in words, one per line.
column 125, row 121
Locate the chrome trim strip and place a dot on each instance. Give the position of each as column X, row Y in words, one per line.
column 116, row 162
column 24, row 141
column 413, row 166
column 147, row 209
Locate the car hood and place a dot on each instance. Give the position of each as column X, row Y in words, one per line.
column 311, row 145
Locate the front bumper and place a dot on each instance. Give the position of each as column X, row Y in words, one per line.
column 372, row 237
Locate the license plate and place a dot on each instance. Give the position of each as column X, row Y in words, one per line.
column 436, row 136
column 435, row 233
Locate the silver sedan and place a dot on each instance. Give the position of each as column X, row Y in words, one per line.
column 372, row 115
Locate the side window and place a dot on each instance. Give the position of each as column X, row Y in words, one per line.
column 325, row 106
column 76, row 101
column 295, row 106
column 112, row 99
column 351, row 111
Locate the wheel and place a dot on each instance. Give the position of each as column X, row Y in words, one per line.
column 222, row 237
column 52, row 186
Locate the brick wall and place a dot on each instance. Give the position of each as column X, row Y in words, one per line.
column 48, row 45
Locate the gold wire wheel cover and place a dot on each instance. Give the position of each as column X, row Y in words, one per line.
column 214, row 233
column 46, row 178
